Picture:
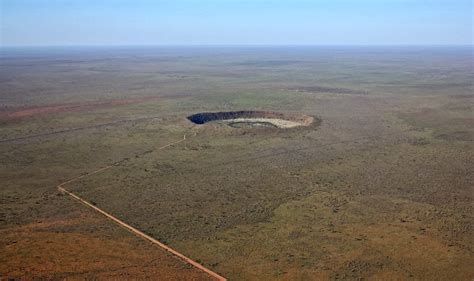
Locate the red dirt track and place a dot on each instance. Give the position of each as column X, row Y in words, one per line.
column 130, row 228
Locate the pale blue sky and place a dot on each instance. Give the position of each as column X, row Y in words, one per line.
column 236, row 22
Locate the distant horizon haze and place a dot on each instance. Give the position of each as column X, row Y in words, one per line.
column 51, row 23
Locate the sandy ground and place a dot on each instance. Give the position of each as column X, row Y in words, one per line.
column 84, row 245
column 280, row 123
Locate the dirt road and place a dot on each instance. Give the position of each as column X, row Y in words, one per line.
column 130, row 228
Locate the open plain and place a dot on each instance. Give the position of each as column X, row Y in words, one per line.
column 379, row 186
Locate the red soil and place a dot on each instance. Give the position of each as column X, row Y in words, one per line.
column 24, row 112
column 85, row 246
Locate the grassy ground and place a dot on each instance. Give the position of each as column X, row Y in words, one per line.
column 380, row 189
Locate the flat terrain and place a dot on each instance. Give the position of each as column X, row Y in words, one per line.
column 380, row 189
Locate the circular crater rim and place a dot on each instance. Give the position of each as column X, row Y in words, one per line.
column 253, row 119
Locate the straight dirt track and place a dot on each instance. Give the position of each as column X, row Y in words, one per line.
column 130, row 228
column 137, row 232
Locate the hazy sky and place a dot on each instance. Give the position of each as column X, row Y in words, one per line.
column 184, row 22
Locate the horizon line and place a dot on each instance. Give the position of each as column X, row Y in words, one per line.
column 231, row 45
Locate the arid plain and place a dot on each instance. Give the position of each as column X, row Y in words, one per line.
column 378, row 187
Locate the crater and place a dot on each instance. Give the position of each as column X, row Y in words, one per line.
column 253, row 119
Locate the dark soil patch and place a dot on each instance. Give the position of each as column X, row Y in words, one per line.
column 456, row 136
